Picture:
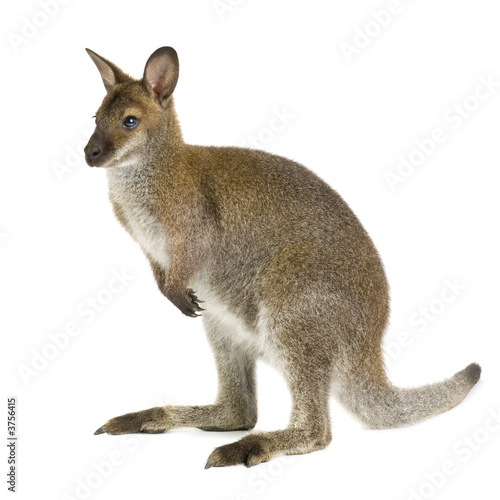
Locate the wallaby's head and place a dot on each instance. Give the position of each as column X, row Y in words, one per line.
column 133, row 115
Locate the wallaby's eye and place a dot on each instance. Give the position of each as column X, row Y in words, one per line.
column 130, row 122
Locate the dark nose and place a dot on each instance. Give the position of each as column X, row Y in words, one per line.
column 92, row 152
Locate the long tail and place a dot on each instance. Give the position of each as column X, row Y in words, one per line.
column 380, row 405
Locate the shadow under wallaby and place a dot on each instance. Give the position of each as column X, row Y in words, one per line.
column 282, row 266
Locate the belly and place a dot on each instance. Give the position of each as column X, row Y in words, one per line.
column 253, row 336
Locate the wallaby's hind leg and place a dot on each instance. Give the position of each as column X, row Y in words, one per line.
column 235, row 407
column 307, row 431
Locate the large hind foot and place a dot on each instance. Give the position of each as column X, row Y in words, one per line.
column 153, row 421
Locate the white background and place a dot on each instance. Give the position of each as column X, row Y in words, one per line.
column 60, row 243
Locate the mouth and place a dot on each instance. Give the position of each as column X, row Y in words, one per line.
column 94, row 161
column 89, row 162
column 103, row 162
column 95, row 156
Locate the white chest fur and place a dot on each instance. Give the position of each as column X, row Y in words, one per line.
column 140, row 218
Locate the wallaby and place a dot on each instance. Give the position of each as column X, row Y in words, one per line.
column 282, row 266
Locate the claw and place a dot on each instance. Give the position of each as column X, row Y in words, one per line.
column 195, row 305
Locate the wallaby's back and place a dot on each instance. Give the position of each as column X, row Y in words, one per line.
column 264, row 204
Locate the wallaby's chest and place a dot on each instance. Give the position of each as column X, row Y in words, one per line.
column 141, row 220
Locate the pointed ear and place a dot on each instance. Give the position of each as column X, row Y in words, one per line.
column 161, row 72
column 110, row 74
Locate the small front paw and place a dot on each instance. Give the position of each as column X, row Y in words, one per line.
column 194, row 303
column 187, row 303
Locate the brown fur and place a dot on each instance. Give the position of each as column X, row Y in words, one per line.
column 283, row 267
